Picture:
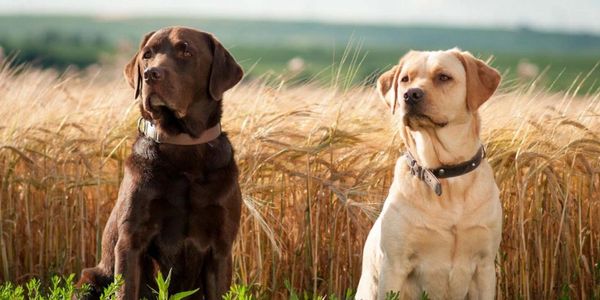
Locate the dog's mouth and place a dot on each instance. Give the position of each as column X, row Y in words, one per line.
column 163, row 115
column 154, row 105
column 157, row 107
column 414, row 118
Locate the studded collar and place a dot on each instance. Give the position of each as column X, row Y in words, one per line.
column 431, row 176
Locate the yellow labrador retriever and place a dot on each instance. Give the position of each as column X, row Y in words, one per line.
column 440, row 226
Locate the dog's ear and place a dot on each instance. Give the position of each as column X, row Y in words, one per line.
column 225, row 72
column 482, row 80
column 132, row 71
column 386, row 86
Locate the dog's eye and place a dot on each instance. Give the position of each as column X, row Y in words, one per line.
column 404, row 79
column 147, row 55
column 444, row 77
column 184, row 48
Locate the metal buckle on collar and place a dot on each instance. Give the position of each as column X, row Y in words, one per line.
column 140, row 124
column 430, row 177
column 416, row 170
column 424, row 174
column 148, row 129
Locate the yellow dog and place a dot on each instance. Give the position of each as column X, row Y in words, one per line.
column 441, row 223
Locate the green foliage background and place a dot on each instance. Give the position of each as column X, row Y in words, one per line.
column 267, row 46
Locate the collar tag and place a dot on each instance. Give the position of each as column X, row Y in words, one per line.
column 431, row 176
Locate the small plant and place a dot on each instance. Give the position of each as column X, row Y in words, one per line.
column 60, row 288
column 110, row 292
column 163, row 289
column 8, row 291
column 239, row 292
column 33, row 289
column 391, row 295
column 293, row 295
column 564, row 293
column 349, row 294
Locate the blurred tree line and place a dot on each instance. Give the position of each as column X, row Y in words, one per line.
column 57, row 49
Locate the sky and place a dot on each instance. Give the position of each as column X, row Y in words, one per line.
column 553, row 15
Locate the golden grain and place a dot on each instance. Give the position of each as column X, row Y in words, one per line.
column 315, row 162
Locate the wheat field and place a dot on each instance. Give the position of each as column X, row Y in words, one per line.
column 316, row 162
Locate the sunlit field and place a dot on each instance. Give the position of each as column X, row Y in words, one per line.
column 316, row 163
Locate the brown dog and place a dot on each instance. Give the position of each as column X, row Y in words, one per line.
column 179, row 203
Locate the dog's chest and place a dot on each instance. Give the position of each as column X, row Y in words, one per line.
column 441, row 242
column 183, row 216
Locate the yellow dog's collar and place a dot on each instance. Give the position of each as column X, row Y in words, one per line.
column 431, row 176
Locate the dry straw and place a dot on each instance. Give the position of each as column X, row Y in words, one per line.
column 316, row 163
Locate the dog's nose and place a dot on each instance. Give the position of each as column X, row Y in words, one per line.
column 153, row 74
column 413, row 96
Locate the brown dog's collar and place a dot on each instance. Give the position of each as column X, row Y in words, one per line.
column 431, row 176
column 150, row 131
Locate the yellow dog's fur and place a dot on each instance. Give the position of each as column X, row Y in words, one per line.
column 442, row 245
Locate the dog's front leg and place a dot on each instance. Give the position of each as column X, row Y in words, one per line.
column 371, row 264
column 218, row 276
column 127, row 264
column 393, row 278
column 484, row 283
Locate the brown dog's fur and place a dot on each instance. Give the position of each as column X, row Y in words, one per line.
column 178, row 206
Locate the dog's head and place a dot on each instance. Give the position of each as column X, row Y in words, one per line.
column 435, row 89
column 181, row 75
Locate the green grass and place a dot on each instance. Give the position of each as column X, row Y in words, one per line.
column 61, row 288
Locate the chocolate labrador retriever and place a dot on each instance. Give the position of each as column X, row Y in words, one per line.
column 179, row 202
